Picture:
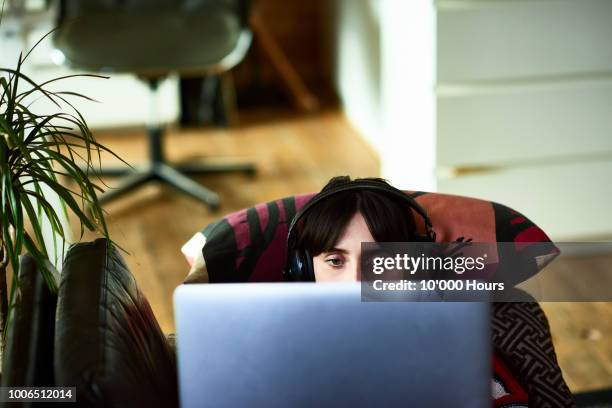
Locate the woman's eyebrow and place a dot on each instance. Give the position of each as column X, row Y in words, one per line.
column 341, row 250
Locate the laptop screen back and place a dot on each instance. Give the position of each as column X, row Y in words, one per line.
column 304, row 345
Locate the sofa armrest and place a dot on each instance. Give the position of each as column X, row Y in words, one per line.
column 107, row 341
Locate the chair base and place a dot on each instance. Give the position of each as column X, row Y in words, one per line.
column 160, row 170
column 174, row 177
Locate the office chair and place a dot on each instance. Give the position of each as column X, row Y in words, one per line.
column 152, row 39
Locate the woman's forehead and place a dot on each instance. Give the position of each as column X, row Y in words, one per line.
column 355, row 232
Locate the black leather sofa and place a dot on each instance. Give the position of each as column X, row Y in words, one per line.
column 98, row 334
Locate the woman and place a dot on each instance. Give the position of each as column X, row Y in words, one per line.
column 324, row 244
column 345, row 213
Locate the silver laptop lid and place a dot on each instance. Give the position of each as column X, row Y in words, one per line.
column 305, row 345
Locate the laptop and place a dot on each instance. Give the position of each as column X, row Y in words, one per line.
column 318, row 345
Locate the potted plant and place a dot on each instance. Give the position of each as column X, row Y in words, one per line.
column 41, row 153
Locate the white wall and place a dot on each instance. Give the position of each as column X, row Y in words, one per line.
column 408, row 103
column 385, row 75
column 358, row 65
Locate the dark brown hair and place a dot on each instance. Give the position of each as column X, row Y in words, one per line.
column 389, row 219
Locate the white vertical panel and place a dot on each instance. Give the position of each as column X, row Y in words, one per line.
column 358, row 66
column 408, row 102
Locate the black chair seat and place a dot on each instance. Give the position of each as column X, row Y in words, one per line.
column 150, row 41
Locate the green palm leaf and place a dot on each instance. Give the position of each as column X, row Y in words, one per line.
column 44, row 152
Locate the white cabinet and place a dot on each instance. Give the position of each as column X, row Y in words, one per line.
column 506, row 100
column 524, row 108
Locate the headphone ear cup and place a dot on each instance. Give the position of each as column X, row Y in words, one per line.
column 294, row 272
column 299, row 266
column 308, row 272
column 291, row 271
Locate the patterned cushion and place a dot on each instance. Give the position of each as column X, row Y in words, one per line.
column 521, row 336
column 250, row 245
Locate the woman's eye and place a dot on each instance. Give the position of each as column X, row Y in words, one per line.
column 335, row 262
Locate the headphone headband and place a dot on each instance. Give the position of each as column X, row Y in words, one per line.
column 359, row 185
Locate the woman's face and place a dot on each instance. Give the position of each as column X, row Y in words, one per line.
column 342, row 263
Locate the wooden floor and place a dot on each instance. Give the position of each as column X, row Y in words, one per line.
column 293, row 154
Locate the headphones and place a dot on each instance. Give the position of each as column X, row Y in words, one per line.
column 299, row 262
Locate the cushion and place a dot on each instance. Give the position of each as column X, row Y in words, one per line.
column 250, row 245
column 521, row 337
column 107, row 342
